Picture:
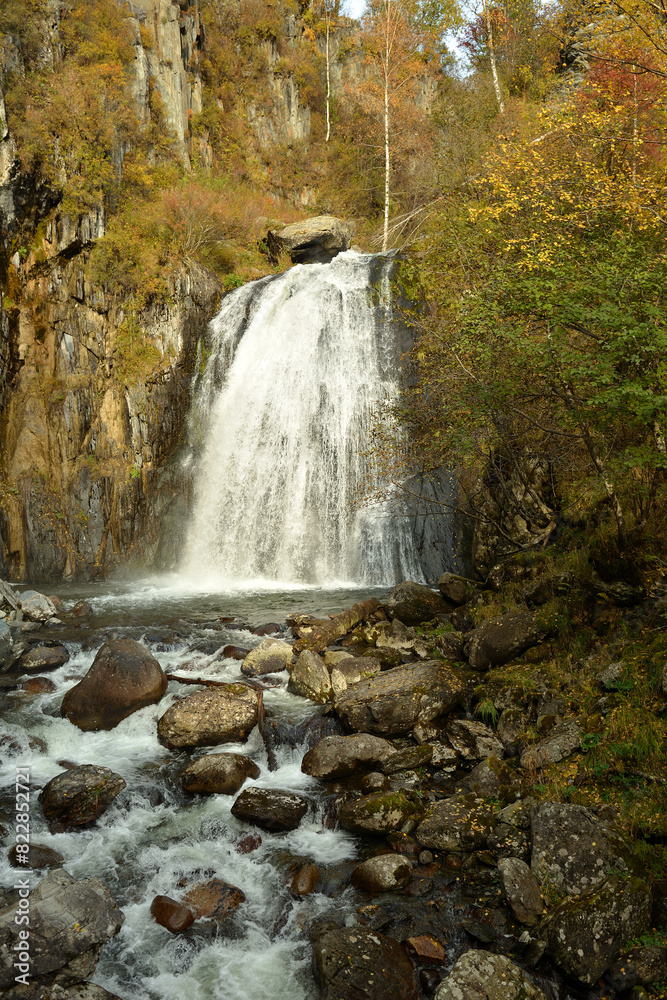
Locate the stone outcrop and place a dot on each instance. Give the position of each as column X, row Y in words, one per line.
column 210, row 717
column 314, row 241
column 124, row 677
column 397, row 700
column 69, row 922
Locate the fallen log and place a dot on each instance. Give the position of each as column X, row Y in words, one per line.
column 327, row 632
column 9, row 596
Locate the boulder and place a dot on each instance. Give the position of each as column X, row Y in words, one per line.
column 379, row 812
column 384, row 873
column 234, row 653
column 492, row 779
column 511, row 725
column 408, row 757
column 459, row 823
column 213, row 899
column 43, row 658
column 572, row 849
column 79, row 795
column 427, row 950
column 36, row 606
column 413, row 603
column 38, row 685
column 473, row 740
column 340, row 756
column 269, row 657
column 304, row 879
column 359, row 964
column 38, row 857
column 271, row 808
column 82, row 609
column 171, row 914
column 224, row 714
column 398, row 699
column 586, row 933
column 499, row 640
column 453, row 588
column 352, row 670
column 314, row 241
column 333, row 657
column 509, row 841
column 123, row 678
column 562, row 742
column 521, row 890
column 6, row 647
column 69, row 922
column 310, row 678
column 639, row 967
column 221, row 773
column 480, row 975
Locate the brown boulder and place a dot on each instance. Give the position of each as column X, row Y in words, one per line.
column 498, row 640
column 43, row 658
column 123, row 678
column 221, row 773
column 352, row 963
column 235, row 653
column 384, row 873
column 207, row 718
column 340, row 756
column 79, row 795
column 171, row 914
column 413, row 603
column 38, row 857
column 379, row 812
column 212, row 899
column 271, row 808
column 304, row 879
column 38, row 685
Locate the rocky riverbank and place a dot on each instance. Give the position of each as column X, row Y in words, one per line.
column 462, row 747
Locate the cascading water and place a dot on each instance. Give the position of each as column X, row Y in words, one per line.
column 301, row 364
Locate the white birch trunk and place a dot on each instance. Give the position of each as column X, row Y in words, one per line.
column 387, row 161
column 492, row 56
column 328, row 79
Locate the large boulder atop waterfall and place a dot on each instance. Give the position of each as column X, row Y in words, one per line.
column 396, row 700
column 340, row 756
column 225, row 714
column 313, row 241
column 69, row 922
column 413, row 603
column 79, row 795
column 124, row 677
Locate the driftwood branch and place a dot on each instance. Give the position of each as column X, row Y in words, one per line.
column 9, row 596
column 323, row 635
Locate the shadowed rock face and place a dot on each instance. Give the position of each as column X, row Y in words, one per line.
column 69, row 922
column 123, row 678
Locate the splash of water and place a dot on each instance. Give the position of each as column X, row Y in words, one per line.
column 301, row 365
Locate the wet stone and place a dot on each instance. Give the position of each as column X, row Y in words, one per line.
column 426, row 949
column 79, row 795
column 384, row 873
column 43, row 658
column 221, row 773
column 352, row 962
column 305, row 879
column 171, row 914
column 214, row 899
column 271, row 808
column 38, row 857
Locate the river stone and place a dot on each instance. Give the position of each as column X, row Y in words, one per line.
column 69, row 922
column 224, row 714
column 310, row 678
column 269, row 657
column 585, row 933
column 332, row 657
column 36, row 606
column 234, row 653
column 398, row 699
column 171, row 914
column 214, row 898
column 221, row 773
column 313, row 241
column 413, row 603
column 407, row 758
column 123, row 678
column 38, row 857
column 6, row 647
column 379, row 812
column 43, row 658
column 271, row 808
column 511, row 724
column 459, row 823
column 473, row 740
column 382, row 874
column 81, row 609
column 453, row 588
column 562, row 742
column 492, row 779
column 79, row 795
column 304, row 879
column 359, row 964
column 480, row 975
column 639, row 967
column 351, row 671
column 392, row 635
column 572, row 849
column 38, row 685
column 498, row 640
column 521, row 890
column 340, row 756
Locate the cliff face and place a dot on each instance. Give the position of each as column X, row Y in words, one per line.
column 89, row 418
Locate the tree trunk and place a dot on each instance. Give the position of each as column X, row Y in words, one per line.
column 387, row 162
column 328, row 78
column 323, row 635
column 492, row 56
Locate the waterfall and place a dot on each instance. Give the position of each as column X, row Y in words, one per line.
column 300, row 366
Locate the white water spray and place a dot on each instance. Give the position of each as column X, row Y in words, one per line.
column 301, row 364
